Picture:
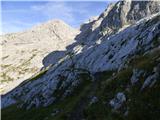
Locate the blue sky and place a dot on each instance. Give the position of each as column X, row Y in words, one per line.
column 21, row 15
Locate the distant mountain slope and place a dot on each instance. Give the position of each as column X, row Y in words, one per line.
column 23, row 52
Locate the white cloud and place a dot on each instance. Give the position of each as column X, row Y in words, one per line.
column 56, row 10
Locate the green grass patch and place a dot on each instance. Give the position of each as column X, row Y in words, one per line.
column 146, row 62
column 144, row 105
column 38, row 75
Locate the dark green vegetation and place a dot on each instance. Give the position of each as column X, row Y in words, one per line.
column 38, row 75
column 140, row 104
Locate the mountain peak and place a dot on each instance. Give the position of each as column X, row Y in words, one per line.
column 128, row 11
column 52, row 24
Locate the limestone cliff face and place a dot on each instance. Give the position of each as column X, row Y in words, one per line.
column 116, row 17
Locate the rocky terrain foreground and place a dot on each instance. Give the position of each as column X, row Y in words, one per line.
column 110, row 72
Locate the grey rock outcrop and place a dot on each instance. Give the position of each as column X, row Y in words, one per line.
column 118, row 101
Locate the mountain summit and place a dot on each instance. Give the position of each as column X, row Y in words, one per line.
column 23, row 52
column 110, row 72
